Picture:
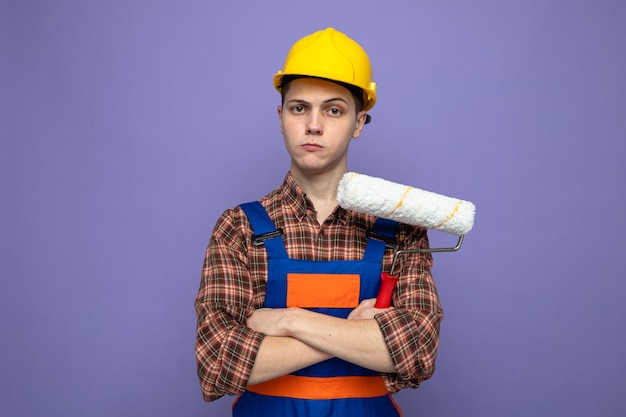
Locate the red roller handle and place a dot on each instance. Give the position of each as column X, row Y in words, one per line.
column 387, row 284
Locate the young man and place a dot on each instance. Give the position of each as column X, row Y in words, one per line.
column 286, row 315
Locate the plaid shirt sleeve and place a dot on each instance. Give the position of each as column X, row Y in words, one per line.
column 225, row 347
column 411, row 330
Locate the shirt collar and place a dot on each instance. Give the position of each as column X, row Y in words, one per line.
column 295, row 198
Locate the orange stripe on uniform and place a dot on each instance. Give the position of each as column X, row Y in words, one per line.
column 310, row 388
column 323, row 290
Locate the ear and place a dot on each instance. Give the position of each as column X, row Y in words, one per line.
column 280, row 119
column 360, row 122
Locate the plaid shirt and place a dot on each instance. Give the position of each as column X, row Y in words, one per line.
column 233, row 286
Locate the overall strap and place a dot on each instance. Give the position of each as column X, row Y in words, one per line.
column 265, row 233
column 383, row 234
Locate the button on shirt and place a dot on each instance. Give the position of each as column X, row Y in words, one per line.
column 233, row 285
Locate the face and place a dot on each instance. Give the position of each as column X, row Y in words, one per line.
column 318, row 119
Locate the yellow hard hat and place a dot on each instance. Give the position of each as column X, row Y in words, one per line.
column 331, row 55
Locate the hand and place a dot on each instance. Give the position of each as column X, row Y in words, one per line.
column 269, row 321
column 366, row 310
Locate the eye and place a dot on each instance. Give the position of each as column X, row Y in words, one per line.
column 334, row 111
column 297, row 109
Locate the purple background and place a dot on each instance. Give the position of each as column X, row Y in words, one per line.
column 128, row 126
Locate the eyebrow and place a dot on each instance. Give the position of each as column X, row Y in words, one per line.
column 330, row 100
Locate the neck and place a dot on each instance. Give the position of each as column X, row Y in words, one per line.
column 321, row 189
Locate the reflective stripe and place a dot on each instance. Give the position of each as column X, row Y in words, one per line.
column 323, row 290
column 322, row 388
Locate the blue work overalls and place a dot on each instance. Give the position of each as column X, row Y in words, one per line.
column 333, row 387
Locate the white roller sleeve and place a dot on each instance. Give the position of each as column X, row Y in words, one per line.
column 405, row 204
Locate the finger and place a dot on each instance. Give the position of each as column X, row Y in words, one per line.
column 368, row 303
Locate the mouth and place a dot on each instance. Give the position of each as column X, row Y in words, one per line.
column 311, row 146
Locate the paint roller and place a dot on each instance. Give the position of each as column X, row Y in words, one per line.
column 405, row 204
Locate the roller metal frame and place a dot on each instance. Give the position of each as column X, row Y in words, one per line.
column 428, row 250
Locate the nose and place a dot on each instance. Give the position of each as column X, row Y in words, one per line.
column 314, row 123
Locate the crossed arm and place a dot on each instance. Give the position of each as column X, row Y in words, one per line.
column 296, row 338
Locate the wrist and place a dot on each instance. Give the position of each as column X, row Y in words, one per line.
column 293, row 320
